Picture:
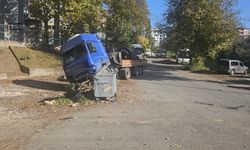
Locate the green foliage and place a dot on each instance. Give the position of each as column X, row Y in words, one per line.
column 205, row 27
column 126, row 20
column 62, row 101
column 76, row 16
column 240, row 51
column 83, row 16
column 121, row 34
column 201, row 64
column 144, row 41
column 123, row 20
column 43, row 10
column 198, row 64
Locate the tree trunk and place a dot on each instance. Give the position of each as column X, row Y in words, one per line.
column 46, row 34
column 57, row 24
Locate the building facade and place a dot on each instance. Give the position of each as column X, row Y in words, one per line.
column 12, row 20
column 157, row 37
column 244, row 32
column 16, row 23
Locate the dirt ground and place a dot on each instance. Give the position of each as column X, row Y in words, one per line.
column 175, row 109
column 22, row 115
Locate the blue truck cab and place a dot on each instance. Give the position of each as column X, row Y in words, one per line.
column 83, row 56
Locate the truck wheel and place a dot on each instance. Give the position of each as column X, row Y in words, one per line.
column 135, row 71
column 232, row 72
column 245, row 72
column 125, row 73
column 142, row 70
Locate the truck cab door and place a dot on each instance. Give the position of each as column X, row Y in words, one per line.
column 98, row 56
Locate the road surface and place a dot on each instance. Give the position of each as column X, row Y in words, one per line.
column 168, row 109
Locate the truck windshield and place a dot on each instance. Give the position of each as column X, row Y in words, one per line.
column 74, row 54
column 139, row 51
column 183, row 54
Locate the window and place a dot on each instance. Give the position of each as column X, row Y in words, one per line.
column 74, row 54
column 91, row 47
column 223, row 63
column 234, row 63
column 184, row 54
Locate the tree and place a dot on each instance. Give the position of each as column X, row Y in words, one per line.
column 74, row 16
column 43, row 10
column 205, row 27
column 241, row 50
column 84, row 16
column 126, row 21
column 144, row 41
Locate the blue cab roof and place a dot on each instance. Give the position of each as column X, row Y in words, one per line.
column 77, row 40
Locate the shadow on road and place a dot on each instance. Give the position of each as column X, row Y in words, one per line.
column 43, row 85
column 159, row 72
column 239, row 87
column 243, row 82
column 166, row 64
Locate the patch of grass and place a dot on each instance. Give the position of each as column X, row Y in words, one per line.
column 65, row 101
column 36, row 58
column 198, row 65
column 62, row 101
column 203, row 65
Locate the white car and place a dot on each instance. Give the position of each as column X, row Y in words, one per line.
column 150, row 54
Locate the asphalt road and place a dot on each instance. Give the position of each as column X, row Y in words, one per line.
column 169, row 109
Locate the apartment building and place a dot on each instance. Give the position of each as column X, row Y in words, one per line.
column 16, row 23
column 157, row 36
column 244, row 32
column 12, row 20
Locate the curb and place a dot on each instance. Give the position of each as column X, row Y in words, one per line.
column 33, row 72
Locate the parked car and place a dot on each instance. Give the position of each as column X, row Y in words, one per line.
column 150, row 54
column 232, row 66
column 183, row 56
column 160, row 53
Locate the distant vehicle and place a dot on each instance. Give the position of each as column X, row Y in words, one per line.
column 183, row 56
column 159, row 53
column 150, row 54
column 232, row 66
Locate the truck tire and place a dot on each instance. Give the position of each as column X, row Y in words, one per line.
column 232, row 72
column 142, row 70
column 125, row 73
column 135, row 71
column 245, row 72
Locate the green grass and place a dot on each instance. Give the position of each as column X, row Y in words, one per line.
column 65, row 101
column 36, row 58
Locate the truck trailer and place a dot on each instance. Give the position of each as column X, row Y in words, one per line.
column 85, row 58
column 84, row 55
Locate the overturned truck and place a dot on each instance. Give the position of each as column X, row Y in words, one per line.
column 88, row 66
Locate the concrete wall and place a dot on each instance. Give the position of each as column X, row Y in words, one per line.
column 7, row 43
column 46, row 72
